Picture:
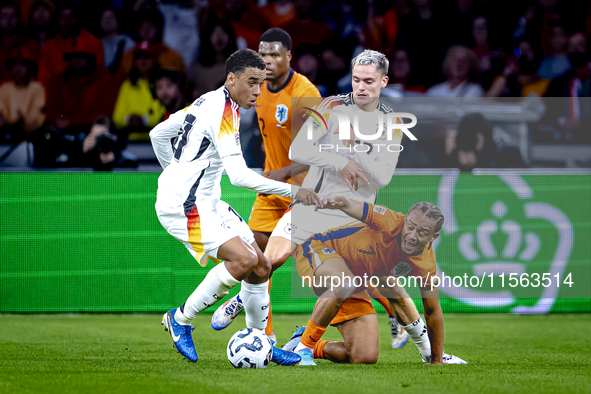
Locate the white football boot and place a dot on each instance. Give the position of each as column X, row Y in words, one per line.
column 399, row 335
column 225, row 314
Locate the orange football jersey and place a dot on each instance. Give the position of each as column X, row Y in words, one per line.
column 276, row 118
column 371, row 247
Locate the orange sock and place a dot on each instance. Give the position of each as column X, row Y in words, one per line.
column 319, row 348
column 312, row 334
column 385, row 304
column 269, row 328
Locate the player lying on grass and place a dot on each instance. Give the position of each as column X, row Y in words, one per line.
column 383, row 244
column 189, row 205
column 338, row 172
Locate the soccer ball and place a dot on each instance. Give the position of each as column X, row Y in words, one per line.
column 249, row 348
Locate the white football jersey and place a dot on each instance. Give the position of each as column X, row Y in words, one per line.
column 207, row 135
column 373, row 157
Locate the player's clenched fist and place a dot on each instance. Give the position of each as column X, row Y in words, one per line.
column 351, row 173
column 308, row 197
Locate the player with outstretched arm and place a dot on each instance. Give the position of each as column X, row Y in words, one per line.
column 278, row 111
column 190, row 208
column 358, row 175
column 383, row 244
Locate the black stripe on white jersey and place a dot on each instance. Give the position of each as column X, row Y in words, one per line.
column 187, row 127
column 202, row 148
column 189, row 203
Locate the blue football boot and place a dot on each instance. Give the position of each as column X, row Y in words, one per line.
column 295, row 339
column 285, row 357
column 181, row 335
column 307, row 357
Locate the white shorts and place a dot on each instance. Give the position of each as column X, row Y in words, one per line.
column 307, row 222
column 204, row 232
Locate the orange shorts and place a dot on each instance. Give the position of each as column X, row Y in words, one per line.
column 353, row 308
column 266, row 212
column 306, row 263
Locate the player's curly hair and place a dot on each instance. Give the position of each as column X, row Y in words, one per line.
column 277, row 34
column 431, row 211
column 243, row 59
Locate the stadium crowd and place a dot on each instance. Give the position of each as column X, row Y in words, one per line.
column 82, row 78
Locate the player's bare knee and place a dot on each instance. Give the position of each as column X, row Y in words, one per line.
column 277, row 260
column 264, row 266
column 363, row 356
column 343, row 292
column 262, row 269
column 248, row 260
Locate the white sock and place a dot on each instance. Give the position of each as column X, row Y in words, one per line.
column 418, row 333
column 213, row 288
column 301, row 346
column 255, row 299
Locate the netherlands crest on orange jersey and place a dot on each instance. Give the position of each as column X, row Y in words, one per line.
column 281, row 113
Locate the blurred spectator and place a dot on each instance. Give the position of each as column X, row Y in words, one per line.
column 400, row 75
column 22, row 101
column 471, row 145
column 71, row 38
column 278, row 13
column 149, row 29
column 102, row 150
column 520, row 76
column 114, row 42
column 574, row 86
column 41, row 26
column 308, row 64
column 335, row 66
column 575, row 82
column 343, row 16
column 557, row 63
column 246, row 21
column 136, row 109
column 547, row 18
column 168, row 87
column 416, row 35
column 98, row 147
column 305, row 28
column 529, row 23
column 181, row 31
column 381, row 26
column 462, row 13
column 486, row 50
column 580, row 59
column 12, row 36
column 80, row 93
column 210, row 71
column 459, row 66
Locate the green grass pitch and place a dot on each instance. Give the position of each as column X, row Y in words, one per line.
column 132, row 353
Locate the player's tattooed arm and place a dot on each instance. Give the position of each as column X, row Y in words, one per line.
column 434, row 320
